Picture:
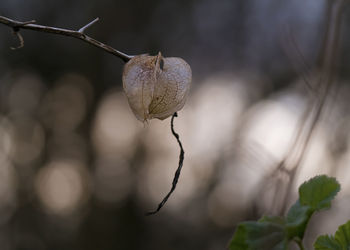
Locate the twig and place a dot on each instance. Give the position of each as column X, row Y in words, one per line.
column 178, row 170
column 29, row 25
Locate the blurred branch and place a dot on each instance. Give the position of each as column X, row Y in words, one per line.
column 297, row 59
column 327, row 67
column 30, row 25
column 311, row 116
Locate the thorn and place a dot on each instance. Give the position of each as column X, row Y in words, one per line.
column 20, row 38
column 82, row 30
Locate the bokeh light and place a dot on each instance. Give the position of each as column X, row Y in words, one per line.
column 62, row 187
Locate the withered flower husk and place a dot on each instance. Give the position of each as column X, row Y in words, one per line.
column 156, row 86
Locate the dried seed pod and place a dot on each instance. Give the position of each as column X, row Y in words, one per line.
column 156, row 87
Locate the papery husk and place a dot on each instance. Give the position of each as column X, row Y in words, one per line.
column 156, row 87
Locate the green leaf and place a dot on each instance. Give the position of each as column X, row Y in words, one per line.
column 326, row 242
column 318, row 192
column 343, row 235
column 273, row 219
column 262, row 235
column 265, row 235
column 339, row 242
column 297, row 219
column 274, row 233
column 238, row 241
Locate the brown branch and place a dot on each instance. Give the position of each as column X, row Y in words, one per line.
column 30, row 25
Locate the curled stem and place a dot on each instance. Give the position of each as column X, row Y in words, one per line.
column 178, row 170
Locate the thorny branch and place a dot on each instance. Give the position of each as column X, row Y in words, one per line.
column 30, row 25
column 178, row 170
column 79, row 34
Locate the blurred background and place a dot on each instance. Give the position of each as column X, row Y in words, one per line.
column 79, row 171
